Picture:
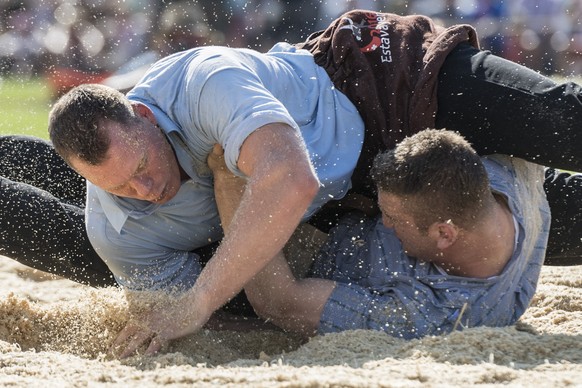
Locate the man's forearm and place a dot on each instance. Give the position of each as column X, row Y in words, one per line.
column 259, row 230
column 274, row 292
column 291, row 304
column 280, row 187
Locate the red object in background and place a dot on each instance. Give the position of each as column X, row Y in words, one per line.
column 62, row 79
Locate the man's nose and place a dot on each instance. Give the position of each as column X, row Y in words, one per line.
column 142, row 185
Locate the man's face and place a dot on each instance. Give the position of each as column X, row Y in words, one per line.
column 415, row 242
column 140, row 164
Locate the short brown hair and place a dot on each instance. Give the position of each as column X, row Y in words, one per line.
column 75, row 118
column 439, row 174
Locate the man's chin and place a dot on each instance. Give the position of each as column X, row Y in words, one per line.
column 408, row 252
column 165, row 196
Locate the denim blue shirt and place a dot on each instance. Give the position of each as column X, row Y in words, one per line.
column 383, row 289
column 220, row 95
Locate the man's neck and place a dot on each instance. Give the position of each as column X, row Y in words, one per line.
column 484, row 251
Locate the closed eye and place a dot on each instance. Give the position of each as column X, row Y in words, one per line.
column 140, row 168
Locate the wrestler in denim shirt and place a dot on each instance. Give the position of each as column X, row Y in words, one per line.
column 379, row 287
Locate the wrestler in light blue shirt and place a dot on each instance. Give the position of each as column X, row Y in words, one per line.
column 211, row 95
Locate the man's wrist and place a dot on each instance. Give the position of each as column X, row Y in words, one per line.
column 196, row 305
column 229, row 183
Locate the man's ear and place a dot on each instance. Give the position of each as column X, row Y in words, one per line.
column 445, row 234
column 142, row 110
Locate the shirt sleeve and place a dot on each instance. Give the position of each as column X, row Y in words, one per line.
column 233, row 103
column 351, row 307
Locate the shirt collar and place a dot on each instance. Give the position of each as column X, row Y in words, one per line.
column 118, row 209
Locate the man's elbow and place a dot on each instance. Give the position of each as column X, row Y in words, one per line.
column 263, row 305
column 304, row 185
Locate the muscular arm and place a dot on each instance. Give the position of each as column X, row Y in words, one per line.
column 280, row 186
column 292, row 304
column 274, row 292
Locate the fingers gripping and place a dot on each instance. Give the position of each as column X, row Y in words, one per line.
column 132, row 338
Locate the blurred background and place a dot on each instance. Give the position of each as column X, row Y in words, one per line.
column 48, row 46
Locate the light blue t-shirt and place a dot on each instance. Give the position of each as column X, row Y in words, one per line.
column 220, row 95
column 381, row 288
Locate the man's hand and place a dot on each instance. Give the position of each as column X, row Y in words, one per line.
column 133, row 337
column 216, row 161
column 154, row 324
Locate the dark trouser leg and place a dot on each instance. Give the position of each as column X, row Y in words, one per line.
column 563, row 191
column 34, row 161
column 502, row 107
column 38, row 228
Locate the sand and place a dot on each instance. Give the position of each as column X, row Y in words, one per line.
column 55, row 333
